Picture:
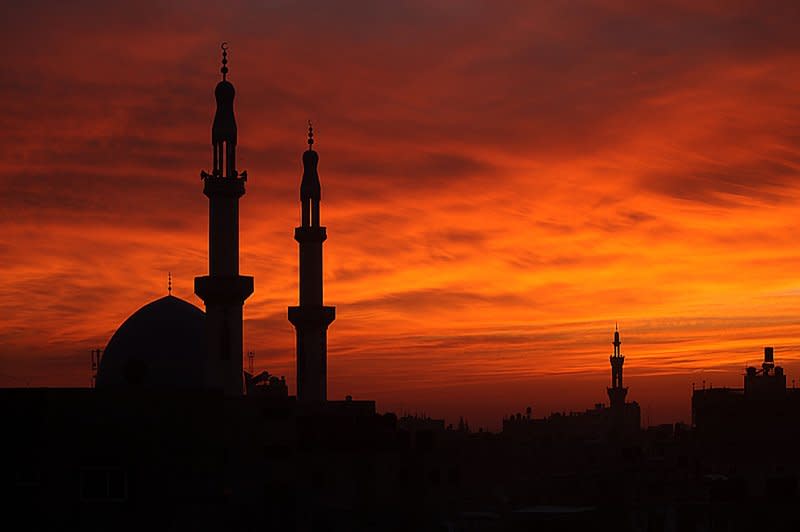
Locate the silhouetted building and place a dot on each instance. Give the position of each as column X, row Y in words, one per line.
column 767, row 383
column 311, row 318
column 223, row 290
column 760, row 421
column 414, row 423
column 264, row 384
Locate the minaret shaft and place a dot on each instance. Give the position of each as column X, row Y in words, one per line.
column 311, row 318
column 223, row 233
column 310, row 240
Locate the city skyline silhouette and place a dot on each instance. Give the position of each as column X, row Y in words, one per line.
column 480, row 258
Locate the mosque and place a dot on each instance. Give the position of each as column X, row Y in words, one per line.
column 170, row 344
column 174, row 433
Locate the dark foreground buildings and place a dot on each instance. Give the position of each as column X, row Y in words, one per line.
column 175, row 436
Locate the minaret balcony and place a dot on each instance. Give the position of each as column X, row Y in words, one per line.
column 215, row 185
column 223, row 290
column 312, row 316
column 310, row 234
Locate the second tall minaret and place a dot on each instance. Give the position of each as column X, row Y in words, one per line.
column 223, row 290
column 311, row 318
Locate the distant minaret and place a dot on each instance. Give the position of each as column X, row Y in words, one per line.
column 223, row 290
column 617, row 393
column 311, row 318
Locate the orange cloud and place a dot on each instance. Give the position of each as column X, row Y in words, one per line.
column 500, row 184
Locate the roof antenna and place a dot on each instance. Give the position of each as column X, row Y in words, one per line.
column 310, row 135
column 224, row 68
column 169, row 283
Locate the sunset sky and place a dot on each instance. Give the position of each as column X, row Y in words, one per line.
column 502, row 181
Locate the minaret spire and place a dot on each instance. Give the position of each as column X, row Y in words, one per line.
column 617, row 393
column 223, row 290
column 311, row 318
column 224, row 69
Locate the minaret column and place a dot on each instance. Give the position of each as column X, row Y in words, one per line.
column 617, row 392
column 311, row 318
column 223, row 290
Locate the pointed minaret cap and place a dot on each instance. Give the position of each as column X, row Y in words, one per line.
column 224, row 128
column 310, row 187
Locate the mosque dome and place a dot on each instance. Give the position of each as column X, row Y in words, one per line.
column 161, row 345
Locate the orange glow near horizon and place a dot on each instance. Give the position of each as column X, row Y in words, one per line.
column 500, row 185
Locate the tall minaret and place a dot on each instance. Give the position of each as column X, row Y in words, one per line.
column 223, row 290
column 311, row 318
column 617, row 393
